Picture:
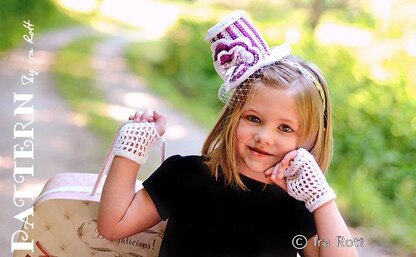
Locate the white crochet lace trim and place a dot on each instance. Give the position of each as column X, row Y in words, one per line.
column 134, row 139
column 306, row 182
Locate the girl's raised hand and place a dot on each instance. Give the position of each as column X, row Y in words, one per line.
column 303, row 179
column 276, row 173
column 155, row 116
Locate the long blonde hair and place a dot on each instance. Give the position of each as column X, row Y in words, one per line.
column 315, row 119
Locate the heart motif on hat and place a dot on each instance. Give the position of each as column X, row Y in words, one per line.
column 233, row 58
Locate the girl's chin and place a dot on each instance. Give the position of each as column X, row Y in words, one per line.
column 259, row 167
column 254, row 167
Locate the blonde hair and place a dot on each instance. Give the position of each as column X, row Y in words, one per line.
column 315, row 119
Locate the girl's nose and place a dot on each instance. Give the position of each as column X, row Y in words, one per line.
column 263, row 136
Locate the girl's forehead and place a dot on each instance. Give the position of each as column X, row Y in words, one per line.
column 272, row 101
column 263, row 95
column 273, row 104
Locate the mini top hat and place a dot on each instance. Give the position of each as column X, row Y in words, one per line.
column 238, row 51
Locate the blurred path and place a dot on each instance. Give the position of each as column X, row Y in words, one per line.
column 60, row 145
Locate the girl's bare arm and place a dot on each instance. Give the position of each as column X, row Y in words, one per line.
column 333, row 237
column 123, row 211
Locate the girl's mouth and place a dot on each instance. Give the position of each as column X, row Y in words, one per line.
column 258, row 151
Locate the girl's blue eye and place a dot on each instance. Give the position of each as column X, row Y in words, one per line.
column 285, row 128
column 253, row 118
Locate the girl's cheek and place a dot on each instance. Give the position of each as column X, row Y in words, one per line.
column 283, row 147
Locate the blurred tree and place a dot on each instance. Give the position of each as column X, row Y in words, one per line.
column 316, row 8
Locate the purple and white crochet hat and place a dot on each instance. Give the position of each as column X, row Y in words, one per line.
column 238, row 51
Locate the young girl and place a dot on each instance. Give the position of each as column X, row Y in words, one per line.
column 258, row 189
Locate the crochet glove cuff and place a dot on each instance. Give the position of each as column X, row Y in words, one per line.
column 134, row 140
column 306, row 182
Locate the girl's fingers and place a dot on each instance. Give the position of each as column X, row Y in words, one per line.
column 285, row 163
column 160, row 118
column 271, row 174
column 276, row 173
column 160, row 122
column 155, row 116
column 147, row 116
column 158, row 115
column 269, row 171
column 276, row 170
column 137, row 116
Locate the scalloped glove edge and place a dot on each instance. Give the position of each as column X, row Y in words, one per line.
column 306, row 182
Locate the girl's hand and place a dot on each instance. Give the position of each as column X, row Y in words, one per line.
column 276, row 173
column 304, row 179
column 155, row 116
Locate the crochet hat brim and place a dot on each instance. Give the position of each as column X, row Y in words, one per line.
column 277, row 53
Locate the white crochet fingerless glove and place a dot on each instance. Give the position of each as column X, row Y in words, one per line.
column 306, row 182
column 134, row 139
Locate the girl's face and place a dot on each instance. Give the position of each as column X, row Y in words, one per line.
column 268, row 129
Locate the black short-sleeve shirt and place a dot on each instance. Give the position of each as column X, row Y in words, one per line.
column 208, row 219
